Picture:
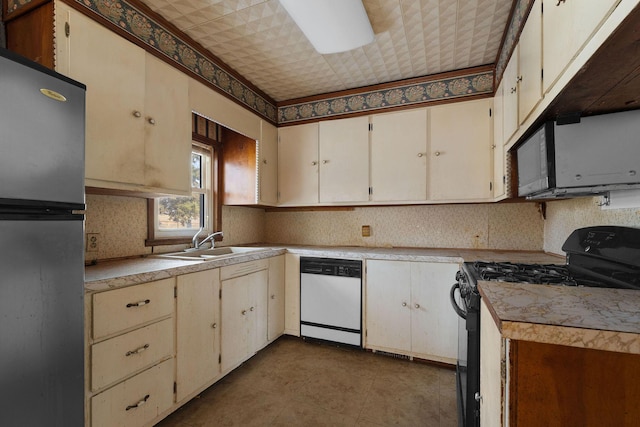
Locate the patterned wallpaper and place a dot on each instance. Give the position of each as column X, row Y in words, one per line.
column 416, row 93
column 481, row 226
column 564, row 216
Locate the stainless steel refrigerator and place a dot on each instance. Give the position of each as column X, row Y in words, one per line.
column 41, row 245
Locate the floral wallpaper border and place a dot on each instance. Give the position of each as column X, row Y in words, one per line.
column 15, row 5
column 513, row 33
column 139, row 25
column 415, row 93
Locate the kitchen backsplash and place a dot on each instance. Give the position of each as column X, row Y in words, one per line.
column 483, row 226
column 122, row 226
column 564, row 216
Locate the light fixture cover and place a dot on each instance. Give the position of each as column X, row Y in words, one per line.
column 331, row 26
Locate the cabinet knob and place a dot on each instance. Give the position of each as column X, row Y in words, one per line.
column 478, row 396
column 324, row 162
column 251, row 309
column 273, row 297
column 314, row 163
column 404, row 304
column 420, row 154
column 214, row 325
column 417, row 306
column 244, row 312
column 151, row 120
column 513, row 90
column 264, row 161
column 437, row 153
column 493, row 146
column 519, row 79
column 560, row 1
column 137, row 114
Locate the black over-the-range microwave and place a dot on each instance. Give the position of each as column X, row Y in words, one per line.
column 596, row 155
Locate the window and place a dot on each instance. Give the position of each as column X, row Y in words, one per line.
column 175, row 220
column 184, row 216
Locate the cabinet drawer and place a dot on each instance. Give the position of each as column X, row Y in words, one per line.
column 136, row 401
column 118, row 357
column 121, row 309
column 242, row 269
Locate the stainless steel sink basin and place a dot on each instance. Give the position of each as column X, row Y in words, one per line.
column 211, row 253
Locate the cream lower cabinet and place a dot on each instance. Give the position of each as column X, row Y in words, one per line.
column 197, row 332
column 130, row 339
column 408, row 310
column 244, row 311
column 292, row 294
column 275, row 308
column 138, row 122
column 492, row 356
column 460, row 139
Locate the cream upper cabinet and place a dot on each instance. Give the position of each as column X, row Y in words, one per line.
column 268, row 164
column 197, row 332
column 298, row 165
column 138, row 124
column 167, row 142
column 567, row 26
column 499, row 162
column 510, row 96
column 276, row 305
column 114, row 71
column 408, row 309
column 530, row 63
column 399, row 156
column 460, row 159
column 344, row 160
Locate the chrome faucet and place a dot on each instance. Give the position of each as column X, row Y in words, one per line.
column 194, row 241
column 211, row 237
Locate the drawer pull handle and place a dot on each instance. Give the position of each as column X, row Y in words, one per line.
column 139, row 303
column 137, row 350
column 140, row 403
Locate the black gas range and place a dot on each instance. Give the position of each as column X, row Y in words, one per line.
column 603, row 256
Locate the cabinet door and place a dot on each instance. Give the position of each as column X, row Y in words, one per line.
column 567, row 26
column 268, row 164
column 258, row 296
column 460, row 163
column 113, row 70
column 530, row 63
column 434, row 325
column 298, row 165
column 276, row 298
column 490, row 370
column 498, row 144
column 510, row 96
column 167, row 128
column 344, row 160
column 399, row 156
column 292, row 294
column 388, row 305
column 235, row 322
column 197, row 330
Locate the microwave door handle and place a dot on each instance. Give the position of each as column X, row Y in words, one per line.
column 454, row 304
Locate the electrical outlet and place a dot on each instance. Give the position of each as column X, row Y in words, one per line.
column 92, row 242
column 366, row 230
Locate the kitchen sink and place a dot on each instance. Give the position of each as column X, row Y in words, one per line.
column 211, row 253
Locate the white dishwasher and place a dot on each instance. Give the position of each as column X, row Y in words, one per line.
column 331, row 300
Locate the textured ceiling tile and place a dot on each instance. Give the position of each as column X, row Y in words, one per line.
column 413, row 38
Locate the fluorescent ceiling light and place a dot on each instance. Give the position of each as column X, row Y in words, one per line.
column 331, row 25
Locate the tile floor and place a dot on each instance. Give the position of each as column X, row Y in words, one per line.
column 297, row 383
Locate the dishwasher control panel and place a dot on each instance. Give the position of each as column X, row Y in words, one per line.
column 331, row 267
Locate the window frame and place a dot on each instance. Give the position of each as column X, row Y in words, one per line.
column 208, row 139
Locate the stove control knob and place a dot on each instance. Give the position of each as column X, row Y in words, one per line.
column 587, row 249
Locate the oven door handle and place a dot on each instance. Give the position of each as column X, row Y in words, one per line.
column 454, row 304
